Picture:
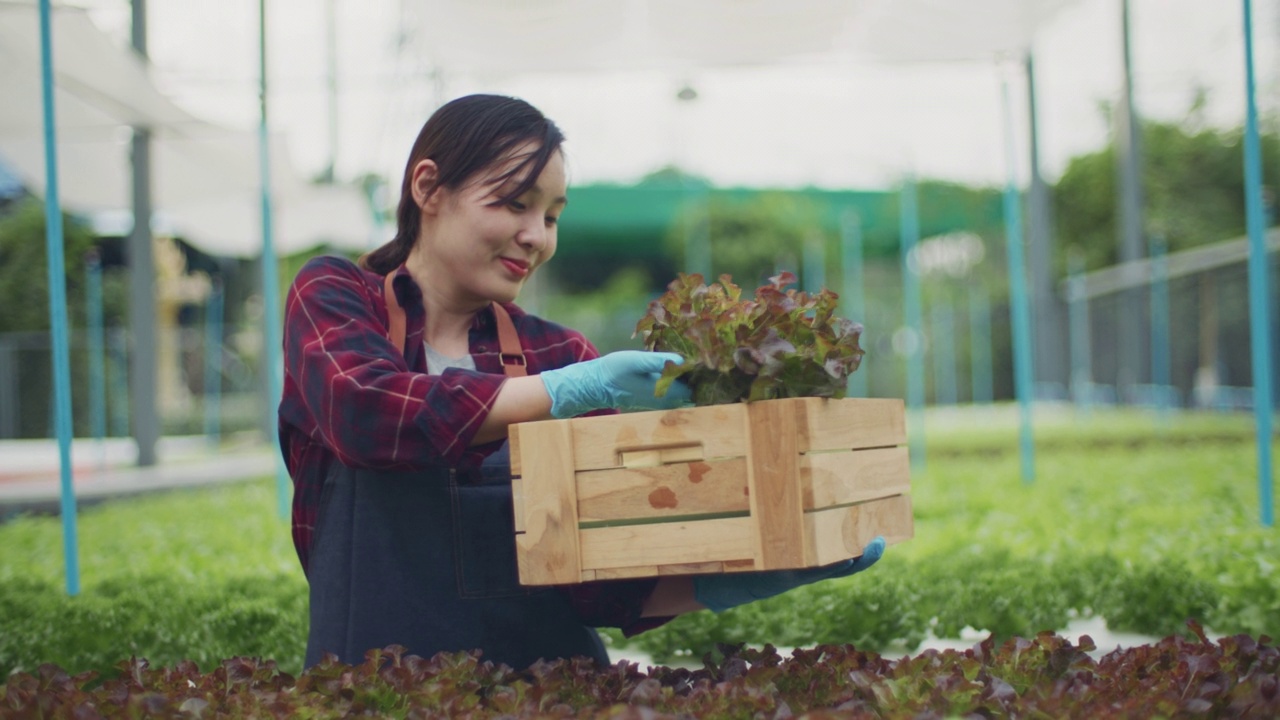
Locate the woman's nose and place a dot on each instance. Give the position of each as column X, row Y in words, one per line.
column 533, row 235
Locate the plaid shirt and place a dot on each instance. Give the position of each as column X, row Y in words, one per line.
column 351, row 396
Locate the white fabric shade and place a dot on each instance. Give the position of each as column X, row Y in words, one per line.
column 205, row 178
column 512, row 37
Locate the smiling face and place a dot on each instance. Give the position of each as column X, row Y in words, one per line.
column 472, row 251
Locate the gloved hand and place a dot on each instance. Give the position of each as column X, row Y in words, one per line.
column 623, row 380
column 721, row 592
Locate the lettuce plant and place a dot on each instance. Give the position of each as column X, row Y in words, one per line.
column 783, row 343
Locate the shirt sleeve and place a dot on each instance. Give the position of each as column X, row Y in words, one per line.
column 365, row 402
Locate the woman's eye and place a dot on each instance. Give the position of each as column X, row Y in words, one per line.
column 516, row 205
column 551, row 220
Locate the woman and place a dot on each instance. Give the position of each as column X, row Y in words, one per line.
column 398, row 394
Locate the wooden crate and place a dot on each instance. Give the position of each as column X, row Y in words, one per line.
column 757, row 486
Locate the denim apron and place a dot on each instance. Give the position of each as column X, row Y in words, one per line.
column 426, row 559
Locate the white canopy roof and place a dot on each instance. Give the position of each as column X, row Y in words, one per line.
column 101, row 90
column 505, row 37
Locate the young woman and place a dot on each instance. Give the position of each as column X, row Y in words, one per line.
column 396, row 404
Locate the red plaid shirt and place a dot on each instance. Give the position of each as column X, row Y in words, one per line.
column 351, row 396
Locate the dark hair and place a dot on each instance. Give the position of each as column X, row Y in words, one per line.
column 465, row 137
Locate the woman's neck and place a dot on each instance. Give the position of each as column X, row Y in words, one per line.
column 448, row 319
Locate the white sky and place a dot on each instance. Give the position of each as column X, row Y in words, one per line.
column 854, row 127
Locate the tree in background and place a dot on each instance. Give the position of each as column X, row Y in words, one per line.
column 24, row 277
column 1193, row 182
column 24, row 320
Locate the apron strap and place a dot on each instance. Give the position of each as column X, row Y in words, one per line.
column 510, row 352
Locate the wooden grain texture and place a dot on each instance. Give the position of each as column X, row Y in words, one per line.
column 513, row 445
column 851, row 423
column 841, row 478
column 663, row 491
column 673, row 543
column 627, row 573
column 547, row 551
column 517, row 502
column 599, row 442
column 840, row 533
column 773, row 479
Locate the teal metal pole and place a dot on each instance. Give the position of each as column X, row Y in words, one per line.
column 93, row 327
column 853, row 292
column 119, row 381
column 944, row 354
column 1160, row 365
column 980, row 344
column 909, row 229
column 58, row 305
column 1078, row 317
column 213, row 364
column 1258, row 294
column 814, row 261
column 1018, row 300
column 270, row 282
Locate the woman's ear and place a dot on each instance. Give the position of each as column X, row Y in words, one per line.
column 424, row 184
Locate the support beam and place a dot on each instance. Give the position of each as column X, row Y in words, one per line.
column 1128, row 144
column 1021, row 320
column 142, row 282
column 1049, row 328
column 1260, row 326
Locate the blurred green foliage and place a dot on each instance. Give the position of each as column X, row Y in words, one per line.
column 1193, row 184
column 1140, row 522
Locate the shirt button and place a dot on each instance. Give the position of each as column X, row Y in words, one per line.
column 480, row 348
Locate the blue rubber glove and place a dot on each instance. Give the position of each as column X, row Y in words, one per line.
column 721, row 592
column 623, row 380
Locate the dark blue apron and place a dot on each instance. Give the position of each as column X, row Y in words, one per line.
column 427, row 560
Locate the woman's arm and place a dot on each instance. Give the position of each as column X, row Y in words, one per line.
column 670, row 597
column 521, row 399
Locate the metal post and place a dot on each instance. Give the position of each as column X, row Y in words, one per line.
column 1081, row 375
column 1258, row 310
column 1160, row 365
column 119, row 379
column 814, row 260
column 697, row 248
column 909, row 228
column 980, row 344
column 944, row 354
column 57, row 273
column 273, row 371
column 853, row 291
column 1018, row 297
column 1048, row 353
column 142, row 293
column 213, row 364
column 1129, row 160
column 93, row 326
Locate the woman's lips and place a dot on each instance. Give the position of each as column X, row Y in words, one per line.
column 518, row 268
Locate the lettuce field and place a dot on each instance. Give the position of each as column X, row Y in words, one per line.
column 1145, row 521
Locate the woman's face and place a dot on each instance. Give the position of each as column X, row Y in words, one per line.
column 478, row 252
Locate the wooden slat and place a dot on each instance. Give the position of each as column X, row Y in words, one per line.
column 663, row 491
column 517, row 502
column 841, row 533
column 598, row 442
column 841, row 478
column 547, row 551
column 773, row 478
column 851, row 423
column 626, row 573
column 513, row 445
column 661, row 456
column 672, row 543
